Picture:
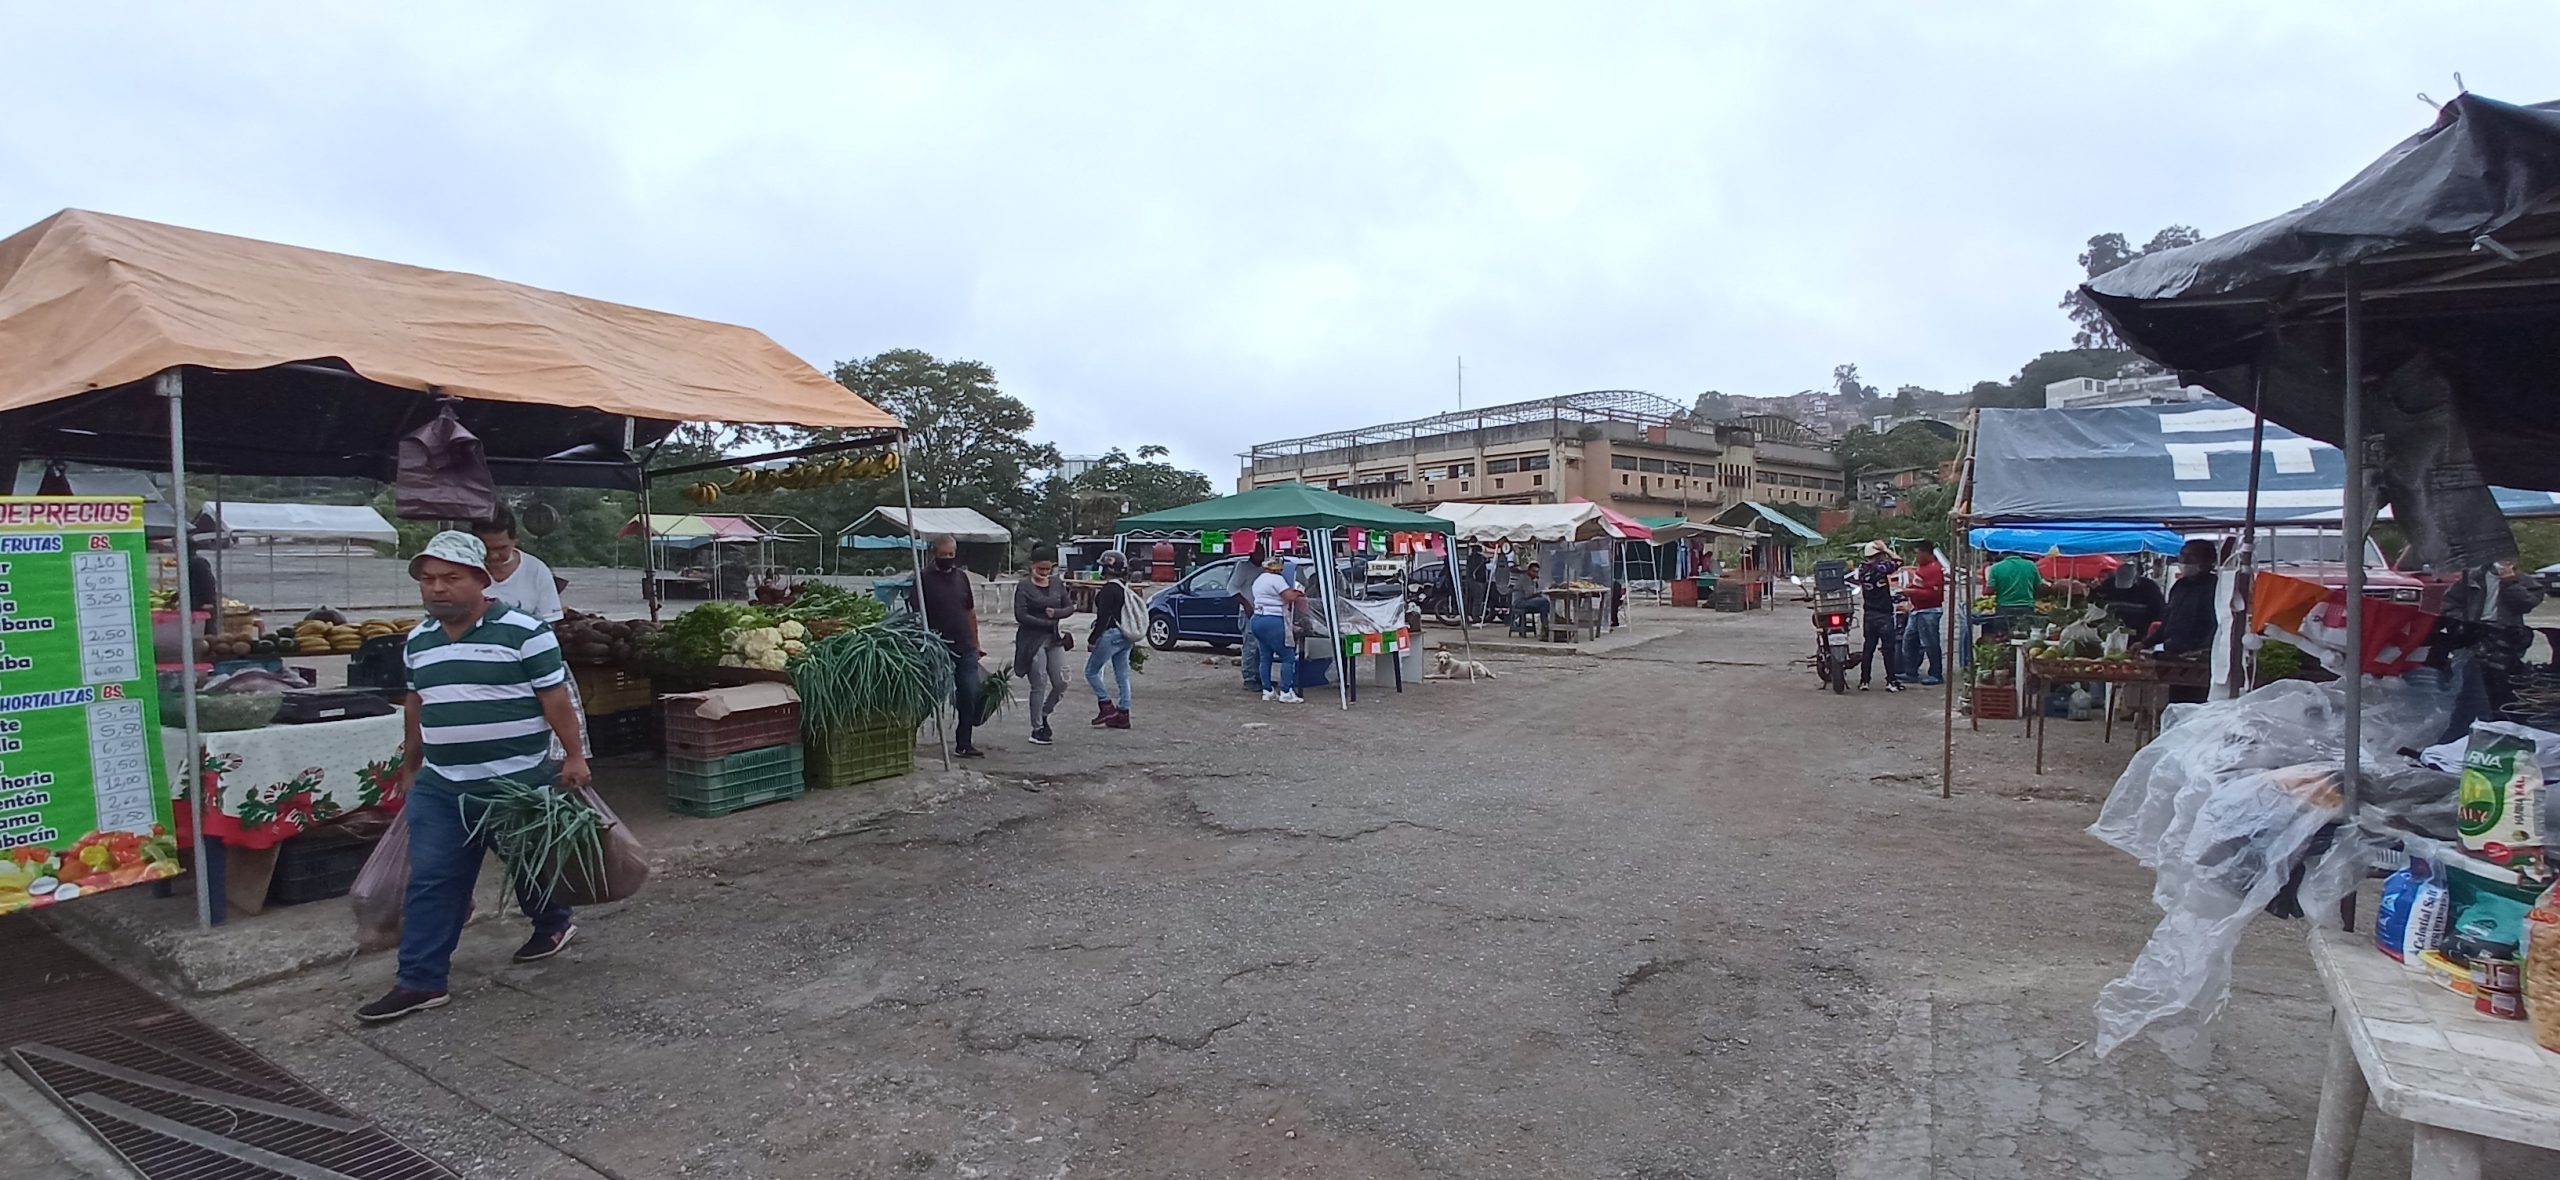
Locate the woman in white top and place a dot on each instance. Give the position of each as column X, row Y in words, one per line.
column 519, row 579
column 1273, row 596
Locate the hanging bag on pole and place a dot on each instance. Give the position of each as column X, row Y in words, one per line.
column 443, row 473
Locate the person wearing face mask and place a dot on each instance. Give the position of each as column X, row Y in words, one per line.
column 2132, row 597
column 2187, row 625
column 1039, row 601
column 950, row 605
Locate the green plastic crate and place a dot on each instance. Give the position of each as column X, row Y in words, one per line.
column 861, row 752
column 718, row 786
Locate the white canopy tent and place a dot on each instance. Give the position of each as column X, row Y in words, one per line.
column 303, row 522
column 1525, row 522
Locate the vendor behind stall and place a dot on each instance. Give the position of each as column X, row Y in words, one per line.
column 2187, row 626
column 521, row 580
column 2132, row 597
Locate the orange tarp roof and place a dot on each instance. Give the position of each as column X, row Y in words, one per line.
column 90, row 301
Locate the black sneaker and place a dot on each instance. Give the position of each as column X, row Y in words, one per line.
column 543, row 946
column 400, row 1002
column 1893, row 686
column 1040, row 736
column 968, row 752
column 1864, row 686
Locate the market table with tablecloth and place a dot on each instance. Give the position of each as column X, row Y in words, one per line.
column 267, row 785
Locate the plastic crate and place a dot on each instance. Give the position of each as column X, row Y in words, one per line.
column 718, row 786
column 317, row 866
column 861, row 752
column 605, row 689
column 690, row 737
column 631, row 731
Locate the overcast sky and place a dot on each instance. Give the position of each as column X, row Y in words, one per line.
column 1177, row 223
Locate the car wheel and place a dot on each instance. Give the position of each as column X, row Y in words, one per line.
column 1160, row 634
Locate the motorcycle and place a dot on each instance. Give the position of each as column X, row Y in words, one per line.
column 1834, row 648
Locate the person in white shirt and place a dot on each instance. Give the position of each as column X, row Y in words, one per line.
column 1273, row 596
column 518, row 578
column 521, row 580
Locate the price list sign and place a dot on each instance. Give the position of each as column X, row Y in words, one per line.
column 84, row 804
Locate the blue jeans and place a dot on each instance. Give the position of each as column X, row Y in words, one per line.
column 444, row 865
column 1534, row 606
column 1271, row 639
column 967, row 676
column 1112, row 648
column 1921, row 637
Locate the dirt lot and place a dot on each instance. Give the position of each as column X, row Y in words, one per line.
column 1668, row 912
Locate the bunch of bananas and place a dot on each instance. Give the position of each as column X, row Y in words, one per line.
column 809, row 473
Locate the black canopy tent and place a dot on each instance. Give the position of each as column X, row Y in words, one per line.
column 2428, row 283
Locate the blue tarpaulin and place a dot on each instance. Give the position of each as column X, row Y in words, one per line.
column 2079, row 540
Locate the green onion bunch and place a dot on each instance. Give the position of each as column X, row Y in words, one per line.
column 893, row 667
column 541, row 835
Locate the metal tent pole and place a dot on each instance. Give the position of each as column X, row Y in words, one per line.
column 915, row 561
column 648, row 549
column 1333, row 614
column 2356, row 526
column 1458, row 595
column 2244, row 579
column 173, row 387
column 1957, row 543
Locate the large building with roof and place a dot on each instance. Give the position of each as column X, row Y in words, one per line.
column 1640, row 454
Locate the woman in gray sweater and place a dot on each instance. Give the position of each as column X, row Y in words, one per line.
column 1039, row 601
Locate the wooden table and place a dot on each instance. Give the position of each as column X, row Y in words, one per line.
column 2460, row 1079
column 1577, row 612
column 2143, row 673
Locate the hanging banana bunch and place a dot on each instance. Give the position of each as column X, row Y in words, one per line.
column 800, row 476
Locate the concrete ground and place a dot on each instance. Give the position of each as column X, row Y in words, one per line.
column 1663, row 912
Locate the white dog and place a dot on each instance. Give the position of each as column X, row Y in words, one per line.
column 1449, row 667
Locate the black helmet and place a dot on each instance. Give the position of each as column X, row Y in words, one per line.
column 1113, row 562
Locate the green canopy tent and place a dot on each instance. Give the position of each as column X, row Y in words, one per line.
column 1315, row 509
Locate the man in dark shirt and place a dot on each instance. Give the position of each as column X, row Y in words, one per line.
column 950, row 605
column 2133, row 597
column 2187, row 625
column 1875, row 593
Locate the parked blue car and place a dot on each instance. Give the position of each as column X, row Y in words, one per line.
column 1200, row 608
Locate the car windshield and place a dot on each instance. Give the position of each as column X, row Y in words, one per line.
column 2302, row 546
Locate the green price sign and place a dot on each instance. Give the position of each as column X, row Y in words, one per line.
column 84, row 801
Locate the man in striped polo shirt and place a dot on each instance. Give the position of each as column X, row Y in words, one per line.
column 488, row 695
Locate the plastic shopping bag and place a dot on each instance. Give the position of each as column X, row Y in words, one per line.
column 624, row 870
column 380, row 887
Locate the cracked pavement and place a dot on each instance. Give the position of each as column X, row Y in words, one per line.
column 1664, row 913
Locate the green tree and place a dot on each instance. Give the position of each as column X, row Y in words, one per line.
column 2106, row 252
column 1117, row 486
column 968, row 441
column 2027, row 388
column 1844, row 381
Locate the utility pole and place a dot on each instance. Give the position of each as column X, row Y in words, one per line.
column 1462, row 383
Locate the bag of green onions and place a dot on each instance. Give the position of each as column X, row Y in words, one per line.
column 555, row 843
column 892, row 667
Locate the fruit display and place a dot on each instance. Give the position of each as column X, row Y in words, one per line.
column 807, row 473
column 321, row 637
column 594, row 641
column 32, row 876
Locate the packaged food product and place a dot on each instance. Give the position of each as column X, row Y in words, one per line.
column 2504, row 768
column 2542, row 969
column 2447, row 974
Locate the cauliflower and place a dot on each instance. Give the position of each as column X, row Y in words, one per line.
column 793, row 647
column 792, row 630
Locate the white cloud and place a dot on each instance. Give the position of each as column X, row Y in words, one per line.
column 1207, row 227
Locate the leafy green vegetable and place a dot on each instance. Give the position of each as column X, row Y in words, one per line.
column 696, row 639
column 994, row 690
column 540, row 834
column 823, row 600
column 892, row 667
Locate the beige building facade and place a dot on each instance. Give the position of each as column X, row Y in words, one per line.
column 1634, row 452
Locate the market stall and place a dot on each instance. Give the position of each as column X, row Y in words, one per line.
column 2403, row 319
column 1291, row 516
column 1763, row 557
column 142, row 346
column 983, row 543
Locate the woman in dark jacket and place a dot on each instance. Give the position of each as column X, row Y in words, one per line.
column 1113, row 607
column 1039, row 601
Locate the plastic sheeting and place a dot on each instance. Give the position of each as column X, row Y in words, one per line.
column 2076, row 542
column 2411, row 221
column 2224, row 805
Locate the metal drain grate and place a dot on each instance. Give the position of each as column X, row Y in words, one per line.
column 176, row 1099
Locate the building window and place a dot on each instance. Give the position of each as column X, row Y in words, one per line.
column 1533, row 462
column 1538, row 481
column 1679, row 468
column 1497, row 466
column 1622, row 462
column 1497, row 482
column 1462, row 486
column 1462, row 470
column 1650, row 464
column 1622, row 480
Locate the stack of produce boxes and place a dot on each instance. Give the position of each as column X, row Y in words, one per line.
column 621, row 706
column 732, row 748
